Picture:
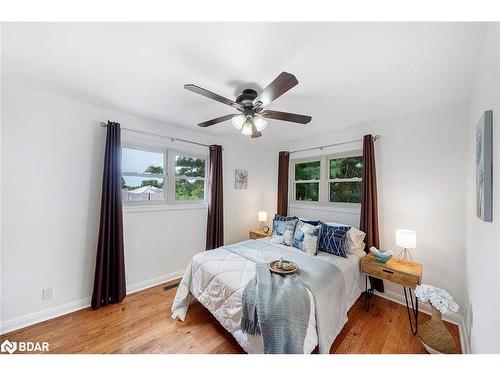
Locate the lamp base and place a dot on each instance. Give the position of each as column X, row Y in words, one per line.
column 405, row 257
column 265, row 229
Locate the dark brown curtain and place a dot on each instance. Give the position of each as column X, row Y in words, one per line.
column 109, row 280
column 215, row 222
column 369, row 209
column 283, row 163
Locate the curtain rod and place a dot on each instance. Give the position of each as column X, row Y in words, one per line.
column 375, row 137
column 104, row 124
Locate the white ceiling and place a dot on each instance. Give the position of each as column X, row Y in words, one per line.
column 348, row 73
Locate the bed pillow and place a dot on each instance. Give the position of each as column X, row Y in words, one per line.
column 283, row 229
column 278, row 219
column 312, row 222
column 306, row 237
column 332, row 239
column 354, row 240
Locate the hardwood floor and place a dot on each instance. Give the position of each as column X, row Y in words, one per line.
column 142, row 324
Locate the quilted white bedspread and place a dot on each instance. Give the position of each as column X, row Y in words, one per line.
column 216, row 278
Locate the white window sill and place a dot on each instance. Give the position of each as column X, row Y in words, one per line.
column 354, row 209
column 163, row 207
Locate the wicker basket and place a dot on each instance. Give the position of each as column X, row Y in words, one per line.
column 435, row 337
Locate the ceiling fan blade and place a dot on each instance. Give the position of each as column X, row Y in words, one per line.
column 281, row 84
column 212, row 95
column 286, row 116
column 215, row 121
column 255, row 132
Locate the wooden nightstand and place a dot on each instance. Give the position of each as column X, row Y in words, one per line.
column 257, row 233
column 404, row 274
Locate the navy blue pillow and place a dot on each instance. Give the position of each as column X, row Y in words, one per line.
column 332, row 239
column 312, row 222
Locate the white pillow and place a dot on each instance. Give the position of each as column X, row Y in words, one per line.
column 360, row 252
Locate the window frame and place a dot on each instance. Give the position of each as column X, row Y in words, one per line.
column 343, row 155
column 175, row 177
column 169, row 176
column 324, row 181
column 295, row 182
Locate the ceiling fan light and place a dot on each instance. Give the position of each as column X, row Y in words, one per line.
column 247, row 128
column 238, row 121
column 260, row 123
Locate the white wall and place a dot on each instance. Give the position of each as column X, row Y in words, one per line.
column 420, row 170
column 1, row 212
column 52, row 157
column 483, row 239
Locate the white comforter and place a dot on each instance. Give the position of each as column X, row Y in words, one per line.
column 216, row 278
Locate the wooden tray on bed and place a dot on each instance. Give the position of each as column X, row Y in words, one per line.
column 281, row 271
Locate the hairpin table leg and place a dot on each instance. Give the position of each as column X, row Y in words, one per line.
column 368, row 294
column 414, row 310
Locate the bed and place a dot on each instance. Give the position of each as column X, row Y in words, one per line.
column 216, row 278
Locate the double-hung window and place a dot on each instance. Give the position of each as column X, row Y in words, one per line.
column 307, row 181
column 190, row 178
column 144, row 174
column 162, row 176
column 327, row 179
column 344, row 182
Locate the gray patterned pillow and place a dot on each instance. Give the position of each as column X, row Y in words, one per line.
column 306, row 237
column 283, row 229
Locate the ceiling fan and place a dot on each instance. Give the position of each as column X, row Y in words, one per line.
column 251, row 105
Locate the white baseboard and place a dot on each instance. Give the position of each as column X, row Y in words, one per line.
column 56, row 311
column 136, row 287
column 43, row 315
column 454, row 318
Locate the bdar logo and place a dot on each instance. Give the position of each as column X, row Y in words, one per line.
column 24, row 346
column 9, row 347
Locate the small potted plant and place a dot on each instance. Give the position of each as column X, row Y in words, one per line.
column 433, row 333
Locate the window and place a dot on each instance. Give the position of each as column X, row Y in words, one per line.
column 143, row 175
column 345, row 179
column 328, row 179
column 161, row 176
column 307, row 179
column 189, row 178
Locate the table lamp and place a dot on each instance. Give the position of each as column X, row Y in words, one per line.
column 407, row 239
column 263, row 219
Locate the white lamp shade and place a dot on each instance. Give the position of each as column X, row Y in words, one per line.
column 238, row 121
column 263, row 216
column 406, row 238
column 247, row 128
column 260, row 123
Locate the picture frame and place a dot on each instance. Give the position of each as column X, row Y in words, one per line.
column 241, row 179
column 484, row 167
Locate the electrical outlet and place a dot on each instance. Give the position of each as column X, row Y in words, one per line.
column 47, row 293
